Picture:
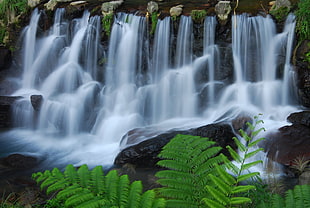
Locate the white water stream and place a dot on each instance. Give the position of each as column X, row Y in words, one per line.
column 88, row 107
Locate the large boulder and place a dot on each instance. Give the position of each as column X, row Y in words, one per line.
column 144, row 154
column 288, row 144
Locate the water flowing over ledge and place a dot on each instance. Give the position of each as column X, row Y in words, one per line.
column 92, row 97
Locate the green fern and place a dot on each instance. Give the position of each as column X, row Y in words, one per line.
column 225, row 189
column 189, row 160
column 90, row 188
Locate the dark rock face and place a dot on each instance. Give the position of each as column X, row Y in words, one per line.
column 5, row 58
column 303, row 74
column 36, row 101
column 18, row 161
column 144, row 154
column 6, row 103
column 300, row 118
column 288, row 143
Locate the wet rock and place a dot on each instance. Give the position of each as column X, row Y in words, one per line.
column 222, row 10
column 302, row 117
column 51, row 5
column 304, row 178
column 288, row 143
column 110, row 7
column 6, row 105
column 152, row 7
column 5, row 58
column 18, row 161
column 36, row 101
column 176, row 11
column 279, row 4
column 144, row 154
column 240, row 123
column 34, row 3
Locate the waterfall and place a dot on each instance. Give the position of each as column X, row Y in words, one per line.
column 92, row 96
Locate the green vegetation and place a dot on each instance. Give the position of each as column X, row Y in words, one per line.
column 107, row 23
column 85, row 188
column 196, row 175
column 154, row 20
column 198, row 16
column 303, row 20
column 280, row 14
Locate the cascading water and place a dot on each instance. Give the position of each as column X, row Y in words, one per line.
column 87, row 108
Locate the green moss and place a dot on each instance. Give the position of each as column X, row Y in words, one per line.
column 280, row 14
column 198, row 16
column 303, row 20
column 107, row 23
column 154, row 20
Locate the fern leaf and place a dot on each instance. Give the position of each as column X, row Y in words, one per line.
column 212, row 204
column 174, row 174
column 245, row 177
column 248, row 165
column 278, row 201
column 57, row 186
column 94, row 203
column 159, row 203
column 251, row 154
column 242, row 189
column 97, row 180
column 289, row 199
column 134, row 196
column 255, row 133
column 208, row 166
column 123, row 190
column 240, row 200
column 172, row 193
column 173, row 183
column 175, row 165
column 84, row 176
column 49, row 181
column 147, row 199
column 234, row 154
column 80, row 198
column 224, row 188
column 253, row 143
column 71, row 173
column 43, row 176
column 203, row 156
column 246, row 137
column 229, row 180
column 111, row 183
column 69, row 191
column 217, row 195
column 175, row 203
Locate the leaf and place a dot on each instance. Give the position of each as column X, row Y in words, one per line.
column 251, row 154
column 240, row 200
column 245, row 177
column 61, row 184
column 248, row 165
column 253, row 143
column 147, row 199
column 241, row 189
column 71, row 173
column 79, row 198
column 97, row 180
column 219, row 196
column 134, row 195
column 84, row 176
column 234, row 154
column 224, row 188
column 212, row 204
column 240, row 146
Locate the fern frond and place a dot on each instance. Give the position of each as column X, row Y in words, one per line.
column 172, row 193
column 239, row 200
column 224, row 187
column 277, row 201
column 69, row 191
column 84, row 176
column 251, row 164
column 251, row 154
column 241, row 147
column 203, row 156
column 111, row 183
column 234, row 154
column 255, row 133
column 123, row 190
column 71, row 173
column 95, row 203
column 212, row 204
column 147, row 199
column 48, row 181
column 134, row 196
column 241, row 189
column 174, row 203
column 175, row 165
column 218, row 196
column 159, row 203
column 97, row 180
column 247, row 176
column 61, row 184
column 79, row 198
